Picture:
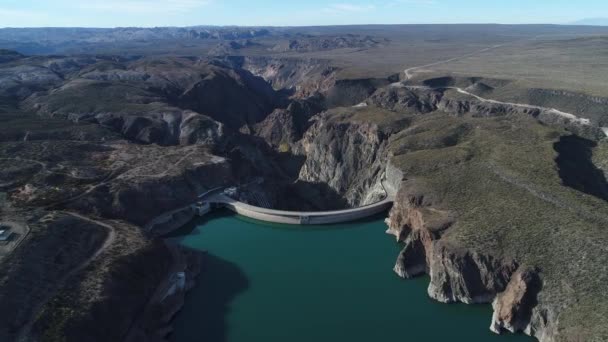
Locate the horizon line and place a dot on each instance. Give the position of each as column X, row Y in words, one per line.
column 300, row 26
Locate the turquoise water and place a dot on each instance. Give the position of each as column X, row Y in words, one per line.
column 271, row 283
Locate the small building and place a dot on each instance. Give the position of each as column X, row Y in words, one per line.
column 201, row 208
column 231, row 192
column 5, row 233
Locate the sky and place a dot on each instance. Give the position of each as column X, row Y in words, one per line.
column 149, row 13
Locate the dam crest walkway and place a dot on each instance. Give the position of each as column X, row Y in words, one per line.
column 217, row 197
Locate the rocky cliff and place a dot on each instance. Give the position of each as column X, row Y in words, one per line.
column 426, row 99
column 494, row 201
column 455, row 215
column 460, row 274
column 349, row 157
column 300, row 77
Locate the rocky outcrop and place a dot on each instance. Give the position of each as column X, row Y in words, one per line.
column 348, row 157
column 168, row 222
column 425, row 100
column 162, row 126
column 415, row 211
column 155, row 323
column 466, row 276
column 200, row 129
column 579, row 104
column 350, row 92
column 513, row 308
column 284, row 127
column 411, row 262
column 312, row 43
column 403, row 99
column 461, row 275
column 451, row 100
column 234, row 97
column 162, row 101
column 301, row 77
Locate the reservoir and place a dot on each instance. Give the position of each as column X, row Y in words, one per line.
column 272, row 283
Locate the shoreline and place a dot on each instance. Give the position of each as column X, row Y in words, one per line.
column 155, row 323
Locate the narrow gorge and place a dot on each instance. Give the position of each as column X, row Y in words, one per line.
column 482, row 180
column 425, row 142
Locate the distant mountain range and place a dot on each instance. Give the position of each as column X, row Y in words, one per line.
column 592, row 21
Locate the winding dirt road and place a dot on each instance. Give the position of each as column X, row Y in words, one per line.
column 23, row 335
column 409, row 73
column 554, row 111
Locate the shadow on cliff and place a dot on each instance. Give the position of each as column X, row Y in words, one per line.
column 190, row 227
column 576, row 168
column 204, row 316
column 310, row 196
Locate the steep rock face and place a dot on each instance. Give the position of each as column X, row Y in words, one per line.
column 423, row 99
column 155, row 322
column 513, row 307
column 169, row 127
column 579, row 104
column 233, row 97
column 403, row 99
column 279, row 129
column 350, row 92
column 147, row 100
column 199, row 129
column 464, row 276
column 284, row 127
column 414, row 211
column 348, row 157
column 411, row 262
column 304, row 77
column 461, row 275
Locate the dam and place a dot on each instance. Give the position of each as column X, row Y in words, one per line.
column 221, row 197
column 315, row 283
column 293, row 217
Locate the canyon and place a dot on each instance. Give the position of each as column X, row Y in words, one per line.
column 500, row 185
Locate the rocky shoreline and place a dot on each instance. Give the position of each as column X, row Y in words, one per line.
column 169, row 222
column 154, row 324
column 492, row 202
column 458, row 274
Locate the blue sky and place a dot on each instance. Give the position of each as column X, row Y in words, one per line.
column 111, row 13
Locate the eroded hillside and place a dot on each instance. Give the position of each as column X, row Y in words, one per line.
column 501, row 188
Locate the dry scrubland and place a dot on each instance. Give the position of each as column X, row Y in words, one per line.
column 121, row 139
